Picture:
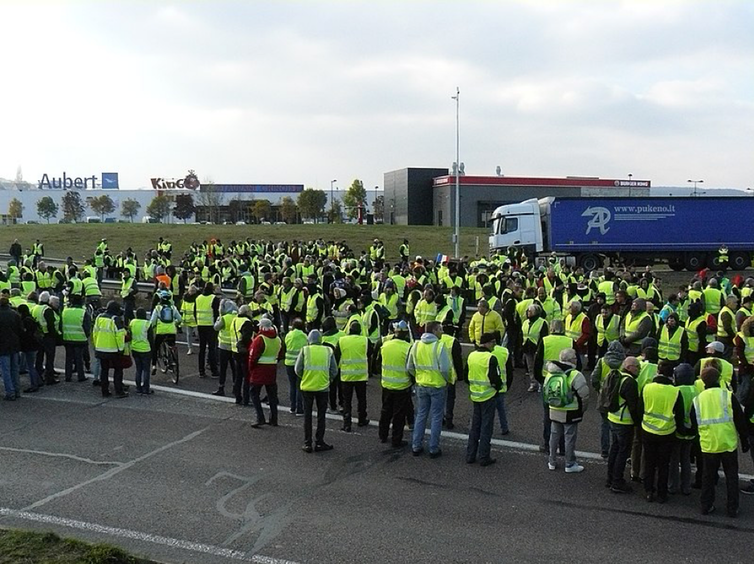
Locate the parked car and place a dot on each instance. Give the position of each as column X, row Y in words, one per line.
column 280, row 223
column 240, row 222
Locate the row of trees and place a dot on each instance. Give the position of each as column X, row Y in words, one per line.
column 310, row 204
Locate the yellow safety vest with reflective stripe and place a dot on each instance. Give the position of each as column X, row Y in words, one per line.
column 553, row 344
column 333, row 339
column 622, row 416
column 631, row 322
column 106, row 337
column 295, row 340
column 353, row 363
column 480, row 388
column 501, row 354
column 726, row 373
column 341, row 314
column 720, row 328
column 226, row 336
column 271, row 350
column 712, row 300
column 693, row 333
column 248, row 286
column 235, row 327
column 139, row 335
column 607, row 288
column 316, row 374
column 312, row 311
column 659, row 400
column 394, row 373
column 204, row 314
column 532, row 331
column 426, row 358
column 748, row 347
column 714, row 417
column 91, row 288
column 425, row 312
column 669, row 348
column 73, row 325
column 689, row 393
column 391, row 304
column 366, row 323
column 448, row 341
column 188, row 313
column 162, row 328
column 286, row 298
column 125, row 287
column 611, row 332
column 573, row 326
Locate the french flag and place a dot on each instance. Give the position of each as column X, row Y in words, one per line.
column 441, row 259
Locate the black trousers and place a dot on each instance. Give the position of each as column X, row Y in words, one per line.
column 657, row 451
column 226, row 359
column 336, row 393
column 241, row 387
column 395, row 409
column 361, row 401
column 45, row 363
column 272, row 396
column 207, row 346
column 712, row 462
column 310, row 398
column 450, row 403
column 107, row 362
column 74, row 360
column 621, row 439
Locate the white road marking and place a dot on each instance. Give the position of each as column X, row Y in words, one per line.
column 114, row 471
column 62, row 455
column 145, row 537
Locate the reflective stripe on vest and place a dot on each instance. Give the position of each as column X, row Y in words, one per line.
column 316, row 373
column 693, row 334
column 659, row 400
column 225, row 336
column 611, row 332
column 532, row 331
column 448, row 341
column 689, row 393
column 622, row 416
column 714, row 417
column 670, row 347
column 573, row 326
column 480, row 388
column 501, row 354
column 426, row 358
column 632, row 323
column 73, row 324
column 353, row 358
column 140, row 335
column 91, row 288
column 271, row 350
column 394, row 373
column 105, row 335
column 312, row 311
column 748, row 347
column 204, row 314
column 721, row 332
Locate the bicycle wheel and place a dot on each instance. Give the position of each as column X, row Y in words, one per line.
column 163, row 358
column 173, row 364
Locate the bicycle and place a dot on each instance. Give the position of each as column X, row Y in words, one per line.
column 167, row 358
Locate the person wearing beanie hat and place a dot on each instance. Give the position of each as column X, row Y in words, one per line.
column 483, row 375
column 680, row 459
column 635, row 327
column 718, row 419
column 316, row 367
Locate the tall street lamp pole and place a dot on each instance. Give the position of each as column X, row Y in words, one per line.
column 332, row 203
column 695, row 182
column 456, row 234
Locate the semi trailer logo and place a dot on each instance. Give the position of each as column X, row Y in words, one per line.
column 600, row 219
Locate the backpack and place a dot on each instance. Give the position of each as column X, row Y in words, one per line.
column 557, row 392
column 166, row 314
column 610, row 392
column 744, row 390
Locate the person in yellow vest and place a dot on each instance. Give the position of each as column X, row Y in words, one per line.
column 242, row 328
column 719, row 420
column 745, row 311
column 453, row 346
column 429, row 365
column 207, row 311
column 330, row 337
column 567, row 395
column 533, row 330
column 680, row 459
column 714, row 357
column 483, row 375
column 404, row 251
column 353, row 352
column 485, row 321
column 109, row 341
column 264, row 354
column 139, row 329
column 661, row 408
column 549, row 305
column 612, row 360
column 164, row 321
column 76, row 328
column 714, row 299
column 726, row 325
column 425, row 311
column 622, row 422
column 635, row 327
column 396, row 385
column 295, row 340
column 696, row 332
column 316, row 367
column 315, row 307
column 48, row 318
column 226, row 344
column 607, row 328
column 673, row 342
column 128, row 292
column 188, row 315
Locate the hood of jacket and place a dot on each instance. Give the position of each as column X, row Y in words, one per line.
column 429, row 338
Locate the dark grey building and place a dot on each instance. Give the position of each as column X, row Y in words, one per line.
column 408, row 195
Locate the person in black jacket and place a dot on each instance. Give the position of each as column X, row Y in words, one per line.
column 622, row 435
column 30, row 341
column 10, row 341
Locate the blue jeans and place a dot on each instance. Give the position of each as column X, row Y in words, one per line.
column 500, row 407
column 605, row 435
column 294, row 393
column 142, row 376
column 480, row 430
column 9, row 368
column 431, row 403
column 621, row 440
column 31, row 358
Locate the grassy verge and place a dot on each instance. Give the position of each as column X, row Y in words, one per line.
column 81, row 239
column 26, row 547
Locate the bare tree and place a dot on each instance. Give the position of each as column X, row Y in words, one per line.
column 210, row 199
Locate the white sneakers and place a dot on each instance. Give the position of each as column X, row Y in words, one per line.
column 575, row 469
column 551, row 466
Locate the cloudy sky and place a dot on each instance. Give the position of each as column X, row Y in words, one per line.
column 309, row 91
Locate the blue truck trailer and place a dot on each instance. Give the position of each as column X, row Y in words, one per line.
column 687, row 232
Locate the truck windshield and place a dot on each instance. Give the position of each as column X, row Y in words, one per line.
column 507, row 225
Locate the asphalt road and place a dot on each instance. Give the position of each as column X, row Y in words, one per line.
column 186, row 479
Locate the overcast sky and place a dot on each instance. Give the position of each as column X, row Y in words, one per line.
column 309, row 91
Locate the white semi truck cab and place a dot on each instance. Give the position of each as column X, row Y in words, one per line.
column 520, row 225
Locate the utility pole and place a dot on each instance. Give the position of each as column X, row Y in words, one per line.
column 457, row 233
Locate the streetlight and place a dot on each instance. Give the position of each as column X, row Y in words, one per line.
column 695, row 182
column 332, row 203
column 456, row 234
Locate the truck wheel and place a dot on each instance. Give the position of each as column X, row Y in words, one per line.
column 676, row 264
column 695, row 261
column 590, row 262
column 739, row 261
